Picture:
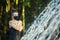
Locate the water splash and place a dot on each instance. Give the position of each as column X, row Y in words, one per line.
column 47, row 25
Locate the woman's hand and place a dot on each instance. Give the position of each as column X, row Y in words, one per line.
column 20, row 26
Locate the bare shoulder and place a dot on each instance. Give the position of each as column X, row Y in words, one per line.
column 20, row 21
column 10, row 21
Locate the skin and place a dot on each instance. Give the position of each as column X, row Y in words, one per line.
column 17, row 25
column 14, row 14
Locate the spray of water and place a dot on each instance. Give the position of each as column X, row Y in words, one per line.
column 47, row 24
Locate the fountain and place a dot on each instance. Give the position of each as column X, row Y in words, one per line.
column 47, row 24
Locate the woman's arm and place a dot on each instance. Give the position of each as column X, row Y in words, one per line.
column 16, row 25
column 19, row 26
column 10, row 24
